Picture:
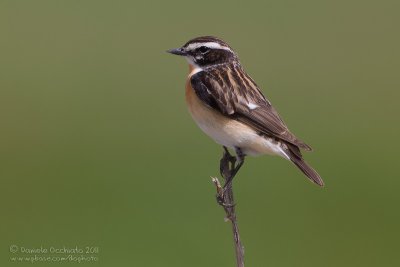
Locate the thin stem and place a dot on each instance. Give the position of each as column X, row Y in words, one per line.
column 225, row 198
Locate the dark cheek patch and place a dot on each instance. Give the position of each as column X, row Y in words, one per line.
column 212, row 57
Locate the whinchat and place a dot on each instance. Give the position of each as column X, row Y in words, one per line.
column 230, row 108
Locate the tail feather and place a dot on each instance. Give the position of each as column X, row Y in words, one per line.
column 295, row 156
column 308, row 171
column 303, row 145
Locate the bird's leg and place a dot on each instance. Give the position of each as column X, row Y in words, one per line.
column 239, row 159
column 229, row 167
column 227, row 163
column 235, row 167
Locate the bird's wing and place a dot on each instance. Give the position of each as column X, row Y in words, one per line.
column 229, row 90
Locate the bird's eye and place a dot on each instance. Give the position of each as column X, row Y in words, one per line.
column 203, row 49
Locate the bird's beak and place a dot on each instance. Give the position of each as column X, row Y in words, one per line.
column 177, row 51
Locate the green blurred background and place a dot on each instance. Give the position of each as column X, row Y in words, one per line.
column 97, row 148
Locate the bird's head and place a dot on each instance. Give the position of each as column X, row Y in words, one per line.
column 205, row 51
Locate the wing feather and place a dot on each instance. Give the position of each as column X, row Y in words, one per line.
column 232, row 92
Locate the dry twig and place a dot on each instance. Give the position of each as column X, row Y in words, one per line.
column 229, row 169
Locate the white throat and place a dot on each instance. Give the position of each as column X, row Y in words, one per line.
column 196, row 68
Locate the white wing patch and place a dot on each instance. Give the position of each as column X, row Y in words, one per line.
column 252, row 106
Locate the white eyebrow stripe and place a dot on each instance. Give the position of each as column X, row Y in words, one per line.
column 212, row 45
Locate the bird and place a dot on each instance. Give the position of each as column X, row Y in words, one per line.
column 228, row 106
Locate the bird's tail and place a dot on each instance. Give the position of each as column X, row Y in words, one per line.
column 295, row 156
